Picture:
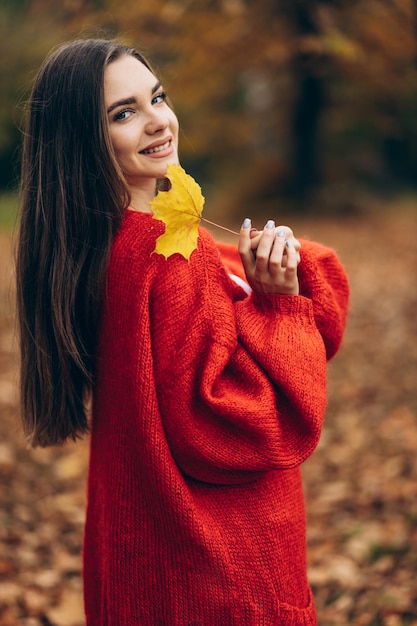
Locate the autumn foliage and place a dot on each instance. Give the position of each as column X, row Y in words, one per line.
column 292, row 100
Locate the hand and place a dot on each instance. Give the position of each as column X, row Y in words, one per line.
column 270, row 258
column 255, row 236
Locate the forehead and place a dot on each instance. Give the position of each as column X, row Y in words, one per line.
column 126, row 77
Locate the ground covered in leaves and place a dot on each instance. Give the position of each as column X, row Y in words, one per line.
column 361, row 483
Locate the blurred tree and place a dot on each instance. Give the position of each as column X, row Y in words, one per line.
column 273, row 97
column 28, row 30
column 378, row 46
column 25, row 37
column 308, row 65
column 283, row 95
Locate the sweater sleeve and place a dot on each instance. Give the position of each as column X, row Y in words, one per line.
column 322, row 279
column 241, row 381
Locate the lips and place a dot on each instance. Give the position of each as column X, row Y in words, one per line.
column 157, row 148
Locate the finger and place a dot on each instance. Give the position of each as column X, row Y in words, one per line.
column 288, row 233
column 255, row 239
column 290, row 272
column 276, row 259
column 289, row 236
column 244, row 245
column 292, row 261
column 297, row 247
column 264, row 248
column 297, row 244
column 255, row 236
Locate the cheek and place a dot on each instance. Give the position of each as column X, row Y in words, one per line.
column 174, row 124
column 124, row 157
column 122, row 143
column 115, row 141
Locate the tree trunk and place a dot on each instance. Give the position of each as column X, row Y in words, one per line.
column 309, row 99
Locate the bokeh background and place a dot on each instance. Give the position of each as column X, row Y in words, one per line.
column 301, row 110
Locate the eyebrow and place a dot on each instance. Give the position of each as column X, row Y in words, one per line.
column 131, row 100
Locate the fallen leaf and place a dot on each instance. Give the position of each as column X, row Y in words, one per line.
column 69, row 611
column 70, row 466
column 180, row 209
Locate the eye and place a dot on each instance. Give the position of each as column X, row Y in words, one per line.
column 159, row 97
column 123, row 115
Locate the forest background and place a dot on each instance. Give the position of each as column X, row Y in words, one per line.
column 301, row 110
column 312, row 102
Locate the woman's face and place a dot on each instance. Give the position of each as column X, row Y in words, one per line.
column 143, row 128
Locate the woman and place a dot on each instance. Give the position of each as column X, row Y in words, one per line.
column 206, row 396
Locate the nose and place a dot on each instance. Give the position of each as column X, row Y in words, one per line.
column 157, row 121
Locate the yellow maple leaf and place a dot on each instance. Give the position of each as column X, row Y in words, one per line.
column 180, row 209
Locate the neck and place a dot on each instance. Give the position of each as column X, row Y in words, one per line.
column 141, row 197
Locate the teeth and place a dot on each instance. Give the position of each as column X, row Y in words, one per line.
column 157, row 149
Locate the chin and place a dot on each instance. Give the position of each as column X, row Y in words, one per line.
column 173, row 159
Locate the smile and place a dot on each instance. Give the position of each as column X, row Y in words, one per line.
column 164, row 146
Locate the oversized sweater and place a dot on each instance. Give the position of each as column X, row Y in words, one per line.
column 207, row 401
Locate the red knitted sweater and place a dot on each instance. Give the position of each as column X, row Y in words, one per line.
column 207, row 401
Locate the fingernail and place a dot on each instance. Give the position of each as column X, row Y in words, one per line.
column 281, row 233
column 289, row 244
column 270, row 224
column 246, row 223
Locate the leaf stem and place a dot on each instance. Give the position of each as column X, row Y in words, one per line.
column 218, row 226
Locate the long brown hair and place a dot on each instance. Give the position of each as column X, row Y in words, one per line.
column 73, row 196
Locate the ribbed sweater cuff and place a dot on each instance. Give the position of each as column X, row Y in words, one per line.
column 275, row 303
